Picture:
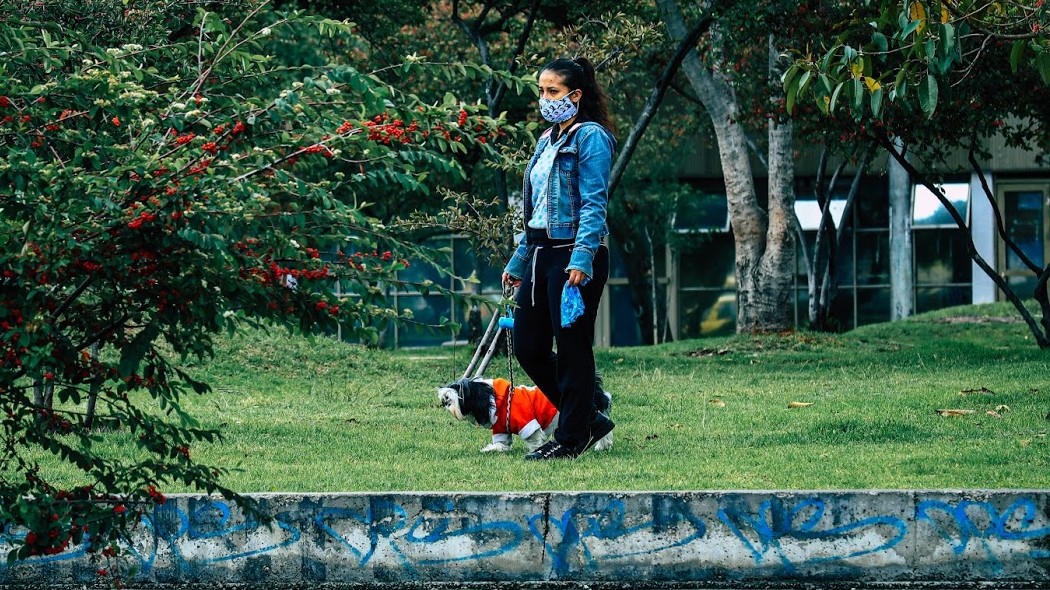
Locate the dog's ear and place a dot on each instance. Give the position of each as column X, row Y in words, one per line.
column 449, row 399
column 477, row 399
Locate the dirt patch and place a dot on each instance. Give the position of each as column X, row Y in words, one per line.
column 975, row 319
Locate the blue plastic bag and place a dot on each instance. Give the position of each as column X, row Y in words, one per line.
column 571, row 304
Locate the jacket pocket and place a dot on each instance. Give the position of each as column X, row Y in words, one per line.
column 567, row 160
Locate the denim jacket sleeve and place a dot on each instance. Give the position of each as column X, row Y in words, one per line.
column 595, row 165
column 516, row 266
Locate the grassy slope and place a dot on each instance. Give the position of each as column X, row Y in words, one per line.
column 325, row 416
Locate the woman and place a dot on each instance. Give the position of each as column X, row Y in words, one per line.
column 566, row 198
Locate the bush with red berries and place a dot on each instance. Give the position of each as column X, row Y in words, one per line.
column 154, row 194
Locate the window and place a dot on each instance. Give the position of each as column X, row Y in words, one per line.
column 1026, row 215
column 808, row 212
column 928, row 211
column 701, row 213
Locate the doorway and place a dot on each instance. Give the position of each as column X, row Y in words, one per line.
column 1026, row 216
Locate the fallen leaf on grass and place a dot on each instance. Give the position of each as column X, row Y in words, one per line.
column 954, row 412
column 718, row 403
column 980, row 390
column 794, row 405
column 994, row 414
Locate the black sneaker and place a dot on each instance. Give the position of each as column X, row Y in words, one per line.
column 600, row 427
column 552, row 450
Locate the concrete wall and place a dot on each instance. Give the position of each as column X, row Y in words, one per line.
column 622, row 540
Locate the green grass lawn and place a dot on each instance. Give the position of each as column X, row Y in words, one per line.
column 322, row 416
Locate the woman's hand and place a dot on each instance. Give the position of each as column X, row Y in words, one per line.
column 577, row 277
column 511, row 280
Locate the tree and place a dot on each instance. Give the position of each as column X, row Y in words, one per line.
column 924, row 78
column 765, row 242
column 164, row 178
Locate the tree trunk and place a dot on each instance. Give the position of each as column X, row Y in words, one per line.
column 902, row 273
column 637, row 254
column 771, row 298
column 764, row 243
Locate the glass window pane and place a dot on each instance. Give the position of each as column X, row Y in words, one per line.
column 808, row 212
column 623, row 327
column 873, row 306
column 872, row 206
column 802, row 306
column 617, row 264
column 840, row 316
column 844, row 261
column 927, row 210
column 707, row 313
column 931, row 298
column 1024, row 287
column 710, row 262
column 427, row 312
column 941, row 257
column 420, row 270
column 466, row 262
column 702, row 211
column 873, row 258
column 809, row 238
column 1024, row 224
column 473, row 318
column 463, row 259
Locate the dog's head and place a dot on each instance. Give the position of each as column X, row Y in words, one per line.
column 469, row 399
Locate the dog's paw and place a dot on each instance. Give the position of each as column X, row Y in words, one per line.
column 496, row 447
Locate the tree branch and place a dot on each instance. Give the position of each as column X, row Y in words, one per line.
column 655, row 98
column 1040, row 337
column 497, row 97
column 1000, row 225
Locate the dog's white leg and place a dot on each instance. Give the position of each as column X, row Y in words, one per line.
column 604, row 444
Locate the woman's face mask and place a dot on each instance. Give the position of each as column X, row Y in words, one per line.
column 558, row 110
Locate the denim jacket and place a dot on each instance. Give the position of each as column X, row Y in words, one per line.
column 577, row 196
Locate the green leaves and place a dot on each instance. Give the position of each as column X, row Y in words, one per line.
column 192, row 184
column 1016, row 53
column 928, row 95
column 1042, row 65
column 132, row 354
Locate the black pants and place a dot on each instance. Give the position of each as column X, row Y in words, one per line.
column 566, row 377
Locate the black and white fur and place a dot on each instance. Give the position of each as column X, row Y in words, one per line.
column 474, row 400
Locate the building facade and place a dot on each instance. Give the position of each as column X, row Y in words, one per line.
column 694, row 285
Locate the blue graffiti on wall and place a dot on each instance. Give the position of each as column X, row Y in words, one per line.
column 386, row 524
column 968, row 521
column 609, row 523
column 209, row 520
column 592, row 531
column 774, row 522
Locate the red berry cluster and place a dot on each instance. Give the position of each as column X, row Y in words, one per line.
column 359, row 260
column 332, row 310
column 143, row 218
column 396, row 130
column 157, row 497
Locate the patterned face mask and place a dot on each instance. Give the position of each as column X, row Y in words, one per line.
column 560, row 110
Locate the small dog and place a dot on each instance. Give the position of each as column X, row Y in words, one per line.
column 532, row 416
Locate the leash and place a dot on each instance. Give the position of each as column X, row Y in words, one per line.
column 508, row 296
